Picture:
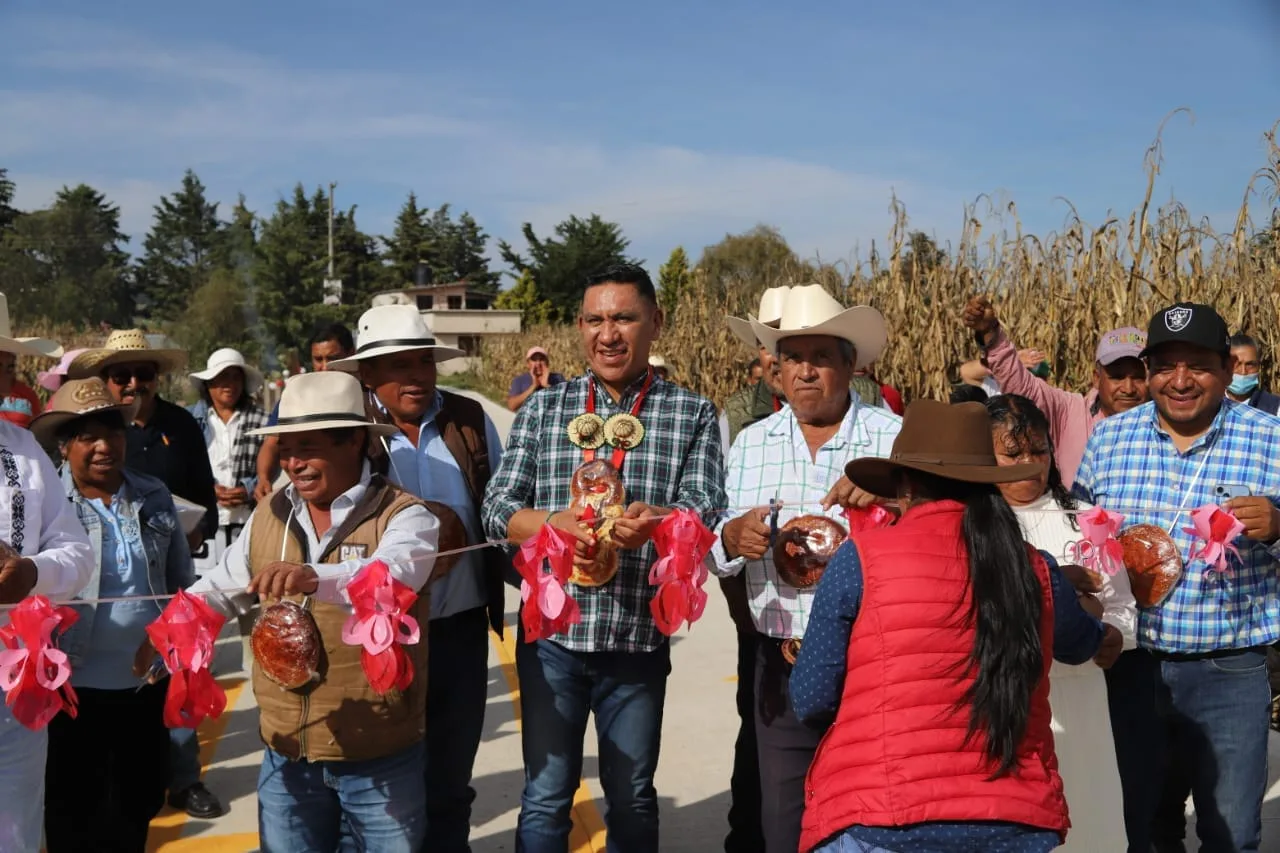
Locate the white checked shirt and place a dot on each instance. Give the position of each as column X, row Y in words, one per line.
column 770, row 459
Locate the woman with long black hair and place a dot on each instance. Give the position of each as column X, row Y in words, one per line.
column 929, row 645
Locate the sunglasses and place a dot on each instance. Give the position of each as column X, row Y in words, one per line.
column 122, row 375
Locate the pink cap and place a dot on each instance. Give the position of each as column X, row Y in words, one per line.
column 1125, row 342
column 536, row 351
column 51, row 379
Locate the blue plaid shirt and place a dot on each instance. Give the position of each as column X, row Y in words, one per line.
column 1130, row 462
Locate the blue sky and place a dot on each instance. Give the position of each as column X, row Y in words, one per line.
column 681, row 121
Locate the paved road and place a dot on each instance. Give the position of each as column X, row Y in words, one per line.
column 697, row 751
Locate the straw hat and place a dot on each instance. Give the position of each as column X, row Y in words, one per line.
column 951, row 441
column 810, row 310
column 220, row 360
column 76, row 399
column 389, row 329
column 124, row 346
column 770, row 313
column 324, row 400
column 35, row 347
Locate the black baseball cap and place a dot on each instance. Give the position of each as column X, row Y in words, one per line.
column 1187, row 323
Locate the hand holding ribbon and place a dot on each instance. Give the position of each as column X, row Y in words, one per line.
column 1215, row 528
column 35, row 674
column 1098, row 548
column 380, row 623
column 683, row 543
column 547, row 608
column 185, row 635
column 867, row 518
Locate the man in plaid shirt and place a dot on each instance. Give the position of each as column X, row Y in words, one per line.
column 796, row 455
column 615, row 662
column 1200, row 673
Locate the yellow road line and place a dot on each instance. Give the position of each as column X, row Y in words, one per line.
column 166, row 829
column 588, row 833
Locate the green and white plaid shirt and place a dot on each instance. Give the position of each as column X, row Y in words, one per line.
column 680, row 463
column 769, row 459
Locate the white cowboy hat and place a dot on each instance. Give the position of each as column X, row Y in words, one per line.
column 323, row 400
column 389, row 329
column 810, row 310
column 220, row 360
column 34, row 347
column 770, row 313
column 122, row 347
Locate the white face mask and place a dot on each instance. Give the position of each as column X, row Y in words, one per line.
column 1242, row 384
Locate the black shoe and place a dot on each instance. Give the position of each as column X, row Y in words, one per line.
column 197, row 801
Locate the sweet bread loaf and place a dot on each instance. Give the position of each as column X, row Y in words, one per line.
column 286, row 644
column 805, row 544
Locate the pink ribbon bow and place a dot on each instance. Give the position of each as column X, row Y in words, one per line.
column 381, row 625
column 545, row 564
column 867, row 518
column 1216, row 528
column 683, row 542
column 34, row 674
column 184, row 635
column 1098, row 548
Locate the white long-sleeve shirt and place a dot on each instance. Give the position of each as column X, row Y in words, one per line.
column 408, row 547
column 37, row 520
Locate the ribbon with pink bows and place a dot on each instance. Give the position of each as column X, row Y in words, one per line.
column 683, row 543
column 35, row 674
column 381, row 625
column 1215, row 529
column 1098, row 549
column 545, row 564
column 184, row 635
column 867, row 518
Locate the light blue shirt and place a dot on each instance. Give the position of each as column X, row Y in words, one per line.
column 120, row 627
column 430, row 472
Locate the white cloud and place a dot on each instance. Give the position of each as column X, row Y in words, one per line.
column 113, row 109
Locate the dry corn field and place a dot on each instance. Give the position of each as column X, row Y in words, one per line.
column 1055, row 292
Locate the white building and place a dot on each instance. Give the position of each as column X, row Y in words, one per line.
column 457, row 316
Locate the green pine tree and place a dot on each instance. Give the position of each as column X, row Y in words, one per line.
column 674, row 279
column 186, row 244
column 525, row 298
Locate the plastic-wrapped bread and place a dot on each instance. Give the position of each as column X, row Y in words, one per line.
column 804, row 546
column 1153, row 562
column 598, row 497
column 286, row 644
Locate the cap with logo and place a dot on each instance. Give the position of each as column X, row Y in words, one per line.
column 1187, row 323
column 1125, row 342
column 536, row 351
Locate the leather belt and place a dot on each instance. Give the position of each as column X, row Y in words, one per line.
column 790, row 647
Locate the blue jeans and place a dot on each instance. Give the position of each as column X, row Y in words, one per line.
column 626, row 692
column 184, row 759
column 459, row 658
column 1220, row 711
column 22, row 758
column 378, row 806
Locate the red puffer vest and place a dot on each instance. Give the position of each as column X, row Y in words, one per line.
column 896, row 754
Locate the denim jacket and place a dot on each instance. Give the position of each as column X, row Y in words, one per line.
column 168, row 557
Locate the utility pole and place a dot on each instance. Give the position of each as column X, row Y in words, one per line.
column 332, row 284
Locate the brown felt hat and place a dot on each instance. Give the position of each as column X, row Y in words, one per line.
column 950, row 441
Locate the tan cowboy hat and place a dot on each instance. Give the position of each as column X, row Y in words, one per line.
column 34, row 347
column 770, row 313
column 220, row 360
column 76, row 399
column 124, row 346
column 323, row 400
column 810, row 310
column 951, row 441
column 389, row 329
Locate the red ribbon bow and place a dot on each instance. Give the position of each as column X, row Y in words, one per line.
column 1098, row 549
column 867, row 518
column 547, row 607
column 1216, row 528
column 184, row 635
column 380, row 623
column 683, row 542
column 35, row 674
